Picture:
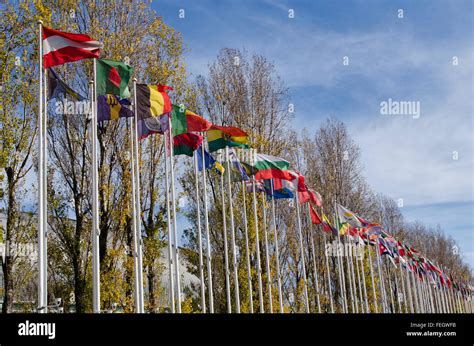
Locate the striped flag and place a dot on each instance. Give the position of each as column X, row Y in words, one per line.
column 62, row 47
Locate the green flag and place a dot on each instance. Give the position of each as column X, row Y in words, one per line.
column 113, row 78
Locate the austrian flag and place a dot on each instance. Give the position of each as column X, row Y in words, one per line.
column 62, row 47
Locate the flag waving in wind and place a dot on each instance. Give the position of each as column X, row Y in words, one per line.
column 62, row 47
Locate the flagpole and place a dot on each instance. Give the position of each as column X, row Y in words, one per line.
column 300, row 235
column 362, row 274
column 405, row 298
column 257, row 240
column 232, row 234
column 226, row 251
column 372, row 276
column 198, row 216
column 170, row 241
column 95, row 203
column 206, row 220
column 390, row 288
column 409, row 288
column 350, row 269
column 277, row 255
column 313, row 252
column 175, row 226
column 267, row 255
column 134, row 223
column 247, row 249
column 328, row 274
column 45, row 189
column 342, row 280
column 138, row 205
column 379, row 264
column 42, row 305
column 357, row 269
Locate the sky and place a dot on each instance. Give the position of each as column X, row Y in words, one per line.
column 404, row 51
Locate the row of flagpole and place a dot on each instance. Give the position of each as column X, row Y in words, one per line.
column 352, row 279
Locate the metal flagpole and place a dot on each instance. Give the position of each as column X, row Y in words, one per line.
column 372, row 276
column 134, row 216
column 277, row 255
column 390, row 288
column 42, row 305
column 138, row 205
column 403, row 287
column 415, row 293
column 206, row 220
column 45, row 189
column 328, row 275
column 232, row 234
column 267, row 255
column 352, row 277
column 313, row 252
column 247, row 249
column 95, row 204
column 300, row 235
column 226, row 251
column 257, row 238
column 382, row 291
column 170, row 240
column 409, row 289
column 362, row 274
column 175, row 226
column 359, row 284
column 198, row 215
column 342, row 280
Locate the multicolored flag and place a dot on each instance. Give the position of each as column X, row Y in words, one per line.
column 237, row 171
column 219, row 137
column 210, row 162
column 111, row 107
column 327, row 227
column 58, row 88
column 186, row 143
column 346, row 216
column 62, row 47
column 153, row 108
column 281, row 188
column 271, row 167
column 113, row 78
column 184, row 121
column 315, row 219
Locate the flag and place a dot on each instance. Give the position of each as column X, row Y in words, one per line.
column 153, row 109
column 209, row 161
column 258, row 186
column 310, row 196
column 270, row 167
column 281, row 188
column 327, row 227
column 62, row 47
column 57, row 87
column 113, row 78
column 315, row 219
column 111, row 107
column 152, row 100
column 220, row 137
column 184, row 121
column 346, row 216
column 186, row 143
column 237, row 171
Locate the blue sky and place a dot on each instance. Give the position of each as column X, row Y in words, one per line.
column 405, row 59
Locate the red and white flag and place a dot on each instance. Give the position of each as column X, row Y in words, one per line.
column 62, row 47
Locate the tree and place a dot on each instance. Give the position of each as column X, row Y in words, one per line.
column 17, row 128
